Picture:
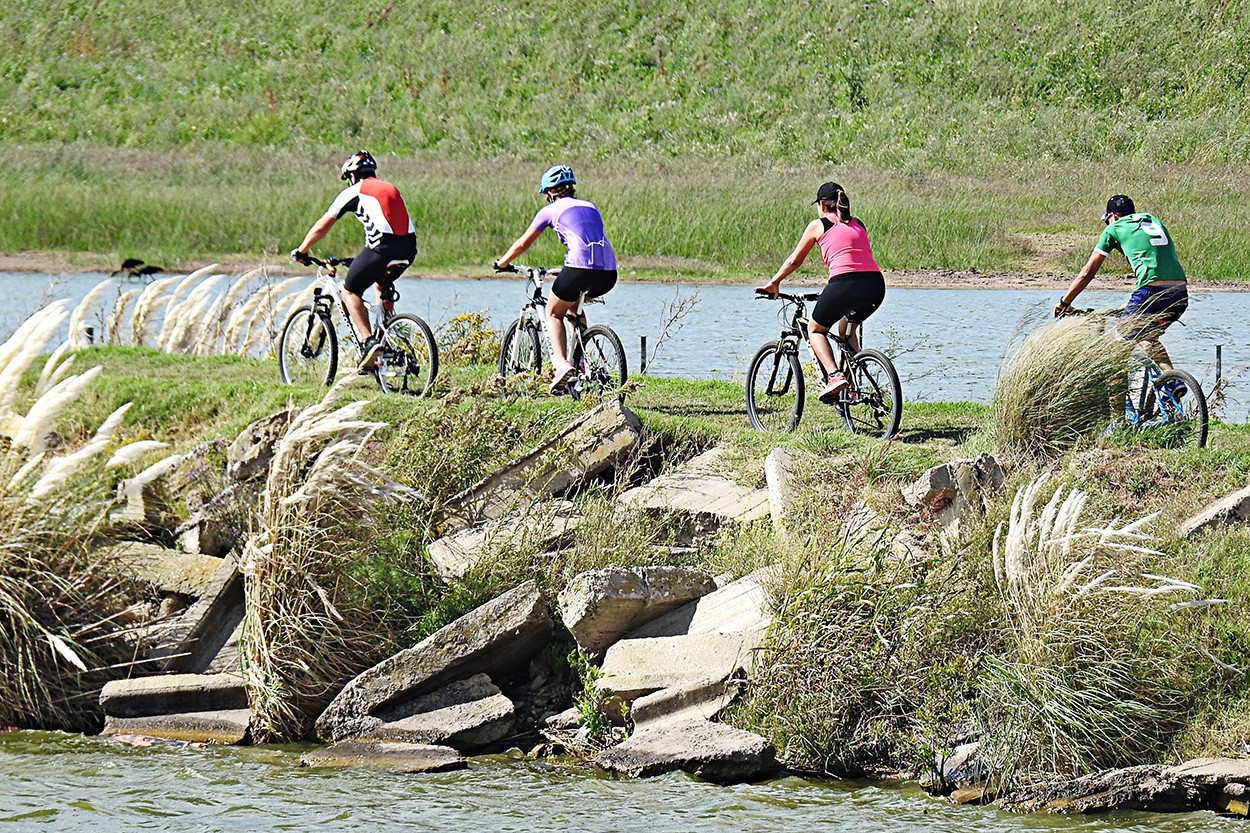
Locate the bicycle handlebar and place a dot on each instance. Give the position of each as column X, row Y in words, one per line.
column 785, row 296
column 329, row 263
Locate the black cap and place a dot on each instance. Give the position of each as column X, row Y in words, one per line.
column 1119, row 204
column 828, row 193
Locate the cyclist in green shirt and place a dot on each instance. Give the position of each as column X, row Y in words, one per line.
column 1161, row 295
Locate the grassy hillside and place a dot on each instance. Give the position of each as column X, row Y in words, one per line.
column 970, row 133
column 951, row 81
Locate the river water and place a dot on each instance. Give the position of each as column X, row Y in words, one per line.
column 947, row 343
column 54, row 782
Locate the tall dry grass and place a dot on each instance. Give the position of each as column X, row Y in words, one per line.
column 60, row 637
column 191, row 314
column 305, row 632
column 1059, row 386
column 1098, row 668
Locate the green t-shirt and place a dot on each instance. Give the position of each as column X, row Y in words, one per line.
column 1146, row 244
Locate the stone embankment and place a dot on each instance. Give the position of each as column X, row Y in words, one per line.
column 674, row 646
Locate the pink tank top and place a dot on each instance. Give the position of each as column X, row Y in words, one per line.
column 844, row 248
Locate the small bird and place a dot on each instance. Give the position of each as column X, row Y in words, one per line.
column 135, row 268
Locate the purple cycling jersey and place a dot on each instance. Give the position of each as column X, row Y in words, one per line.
column 580, row 228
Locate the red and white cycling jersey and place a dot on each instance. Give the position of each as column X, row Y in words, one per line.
column 378, row 206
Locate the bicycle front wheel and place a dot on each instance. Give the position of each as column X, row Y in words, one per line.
column 308, row 349
column 872, row 404
column 774, row 389
column 1187, row 411
column 600, row 363
column 409, row 360
column 520, row 350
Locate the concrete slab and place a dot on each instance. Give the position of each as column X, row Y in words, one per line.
column 173, row 694
column 224, row 727
column 391, row 756
column 698, row 494
column 546, row 526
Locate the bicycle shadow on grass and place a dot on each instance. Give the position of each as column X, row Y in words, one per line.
column 957, row 435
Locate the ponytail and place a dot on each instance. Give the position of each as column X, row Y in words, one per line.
column 840, row 204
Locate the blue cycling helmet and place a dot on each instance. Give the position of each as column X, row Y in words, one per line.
column 554, row 176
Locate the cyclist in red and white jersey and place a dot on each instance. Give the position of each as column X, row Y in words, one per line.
column 389, row 237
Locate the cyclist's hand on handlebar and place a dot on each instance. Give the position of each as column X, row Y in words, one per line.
column 498, row 268
column 300, row 257
column 766, row 291
column 1063, row 308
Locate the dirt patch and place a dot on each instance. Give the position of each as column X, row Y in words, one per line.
column 56, row 262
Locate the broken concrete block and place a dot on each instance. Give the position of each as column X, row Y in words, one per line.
column 391, row 756
column 600, row 606
column 958, row 489
column 466, row 715
column 192, row 641
column 497, row 638
column 595, row 442
column 699, row 644
column 1230, row 509
column 698, row 497
column 226, row 726
column 703, row 701
column 251, row 452
column 173, row 694
column 712, row 751
column 545, row 527
column 169, row 571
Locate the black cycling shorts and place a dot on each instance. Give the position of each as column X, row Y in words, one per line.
column 854, row 296
column 573, row 281
column 369, row 267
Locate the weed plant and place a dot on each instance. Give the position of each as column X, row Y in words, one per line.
column 1059, row 386
column 63, row 627
column 307, row 629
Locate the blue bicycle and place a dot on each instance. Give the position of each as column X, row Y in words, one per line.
column 1168, row 404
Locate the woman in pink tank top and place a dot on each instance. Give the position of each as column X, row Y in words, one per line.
column 855, row 288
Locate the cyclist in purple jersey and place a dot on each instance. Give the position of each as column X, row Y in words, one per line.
column 589, row 261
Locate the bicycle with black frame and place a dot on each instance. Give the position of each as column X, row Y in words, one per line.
column 870, row 404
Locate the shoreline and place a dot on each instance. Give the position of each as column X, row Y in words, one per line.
column 62, row 262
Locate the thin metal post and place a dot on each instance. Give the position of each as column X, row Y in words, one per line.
column 1219, row 363
column 642, row 365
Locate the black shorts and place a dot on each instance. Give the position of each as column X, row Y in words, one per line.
column 854, row 296
column 369, row 267
column 573, row 281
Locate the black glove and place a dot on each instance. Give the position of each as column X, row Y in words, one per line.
column 499, row 268
column 1062, row 308
column 300, row 257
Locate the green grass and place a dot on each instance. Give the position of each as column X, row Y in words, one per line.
column 955, row 83
column 676, row 219
column 906, row 648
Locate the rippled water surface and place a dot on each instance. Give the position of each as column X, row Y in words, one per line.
column 55, row 782
column 947, row 343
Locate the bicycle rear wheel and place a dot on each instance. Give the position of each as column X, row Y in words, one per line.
column 409, row 360
column 600, row 363
column 520, row 351
column 774, row 389
column 1187, row 412
column 308, row 349
column 872, row 404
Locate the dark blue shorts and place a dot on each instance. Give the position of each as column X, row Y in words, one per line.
column 1151, row 309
